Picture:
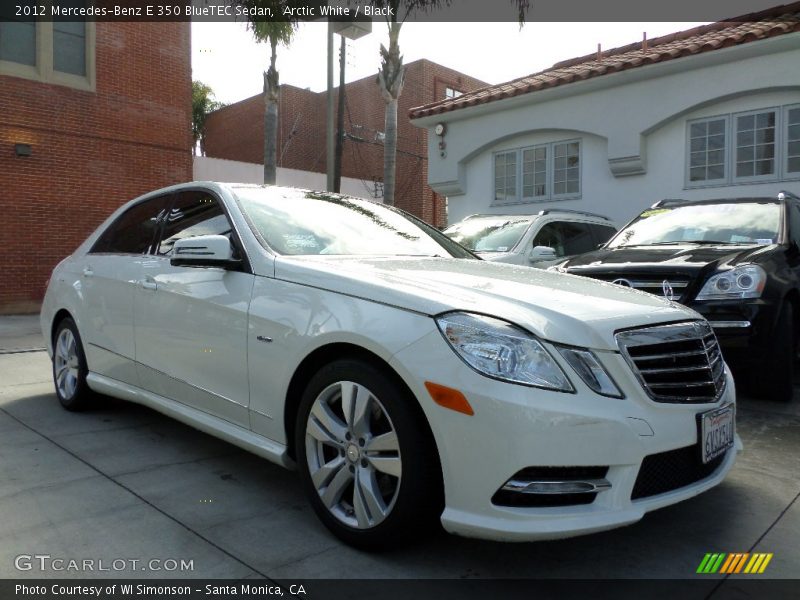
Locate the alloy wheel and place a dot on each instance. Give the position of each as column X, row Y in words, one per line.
column 66, row 364
column 353, row 455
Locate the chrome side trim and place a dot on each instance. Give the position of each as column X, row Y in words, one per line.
column 587, row 486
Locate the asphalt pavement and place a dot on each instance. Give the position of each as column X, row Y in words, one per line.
column 124, row 482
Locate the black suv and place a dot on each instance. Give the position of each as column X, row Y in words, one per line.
column 735, row 261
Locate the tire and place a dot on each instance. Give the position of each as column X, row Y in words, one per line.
column 69, row 368
column 779, row 367
column 373, row 480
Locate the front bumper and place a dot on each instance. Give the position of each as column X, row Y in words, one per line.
column 515, row 427
column 745, row 329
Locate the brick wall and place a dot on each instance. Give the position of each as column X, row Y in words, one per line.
column 236, row 132
column 92, row 151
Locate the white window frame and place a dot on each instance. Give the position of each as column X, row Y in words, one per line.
column 549, row 196
column 784, row 163
column 552, row 172
column 688, row 162
column 776, row 173
column 547, row 158
column 43, row 70
column 781, row 173
column 516, row 177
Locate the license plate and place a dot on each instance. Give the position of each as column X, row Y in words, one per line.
column 716, row 432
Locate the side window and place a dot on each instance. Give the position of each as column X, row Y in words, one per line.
column 192, row 214
column 565, row 238
column 602, row 233
column 794, row 223
column 550, row 235
column 134, row 230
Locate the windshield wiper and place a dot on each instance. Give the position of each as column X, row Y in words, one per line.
column 420, row 255
column 699, row 242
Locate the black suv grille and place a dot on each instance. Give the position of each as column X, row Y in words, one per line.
column 672, row 288
column 672, row 470
column 676, row 363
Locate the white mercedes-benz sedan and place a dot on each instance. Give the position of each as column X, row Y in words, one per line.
column 406, row 380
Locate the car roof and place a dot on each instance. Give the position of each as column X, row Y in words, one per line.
column 671, row 202
column 549, row 211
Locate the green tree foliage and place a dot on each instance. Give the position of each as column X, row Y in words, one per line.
column 392, row 72
column 203, row 103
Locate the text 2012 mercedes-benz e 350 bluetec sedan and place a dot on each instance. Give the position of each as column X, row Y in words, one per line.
column 405, row 379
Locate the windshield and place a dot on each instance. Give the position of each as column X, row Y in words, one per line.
column 489, row 234
column 722, row 223
column 300, row 222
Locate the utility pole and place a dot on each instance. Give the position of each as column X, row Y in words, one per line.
column 329, row 141
column 347, row 29
column 337, row 164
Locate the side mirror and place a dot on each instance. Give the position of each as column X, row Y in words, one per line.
column 538, row 253
column 204, row 251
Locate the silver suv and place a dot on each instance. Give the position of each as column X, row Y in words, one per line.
column 537, row 240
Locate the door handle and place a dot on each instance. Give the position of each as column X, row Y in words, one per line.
column 148, row 284
column 87, row 272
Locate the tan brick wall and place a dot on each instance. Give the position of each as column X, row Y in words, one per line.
column 92, row 151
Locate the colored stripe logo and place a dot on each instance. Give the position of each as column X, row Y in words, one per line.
column 736, row 562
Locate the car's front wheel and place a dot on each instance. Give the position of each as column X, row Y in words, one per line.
column 366, row 457
column 69, row 367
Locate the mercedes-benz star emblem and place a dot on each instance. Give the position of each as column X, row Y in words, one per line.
column 623, row 282
column 669, row 293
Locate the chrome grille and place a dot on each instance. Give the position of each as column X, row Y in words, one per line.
column 660, row 286
column 680, row 362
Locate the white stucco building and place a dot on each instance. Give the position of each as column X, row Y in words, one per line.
column 705, row 113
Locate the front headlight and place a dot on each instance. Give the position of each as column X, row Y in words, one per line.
column 503, row 351
column 741, row 282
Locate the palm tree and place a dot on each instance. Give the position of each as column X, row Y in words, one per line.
column 273, row 32
column 392, row 72
column 202, row 103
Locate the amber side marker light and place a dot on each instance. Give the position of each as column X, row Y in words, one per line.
column 449, row 398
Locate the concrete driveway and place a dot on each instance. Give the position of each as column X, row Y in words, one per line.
column 124, row 482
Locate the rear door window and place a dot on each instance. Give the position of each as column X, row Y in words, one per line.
column 566, row 238
column 134, row 231
column 191, row 214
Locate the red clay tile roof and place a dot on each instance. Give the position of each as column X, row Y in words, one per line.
column 730, row 32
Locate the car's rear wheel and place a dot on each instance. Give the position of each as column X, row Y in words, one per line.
column 365, row 456
column 69, row 367
column 778, row 373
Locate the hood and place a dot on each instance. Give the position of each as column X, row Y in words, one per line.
column 557, row 307
column 685, row 258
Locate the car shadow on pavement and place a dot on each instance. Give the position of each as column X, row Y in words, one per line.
column 255, row 512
